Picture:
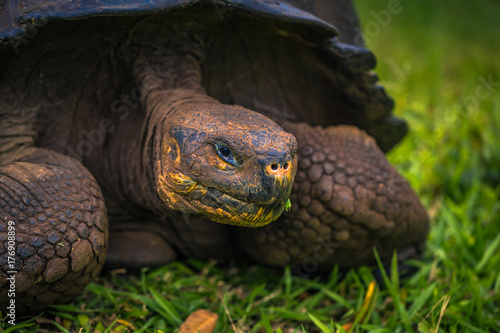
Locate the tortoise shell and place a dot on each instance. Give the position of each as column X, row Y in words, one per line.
column 344, row 71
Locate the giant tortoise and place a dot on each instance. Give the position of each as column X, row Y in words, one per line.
column 137, row 132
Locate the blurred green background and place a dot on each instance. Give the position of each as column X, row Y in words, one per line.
column 440, row 61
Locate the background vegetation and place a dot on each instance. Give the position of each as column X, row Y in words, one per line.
column 440, row 61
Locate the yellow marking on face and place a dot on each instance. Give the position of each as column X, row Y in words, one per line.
column 181, row 181
column 168, row 147
column 270, row 215
column 220, row 164
column 188, row 185
column 259, row 213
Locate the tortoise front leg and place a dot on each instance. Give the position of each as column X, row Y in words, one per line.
column 346, row 199
column 137, row 242
column 53, row 228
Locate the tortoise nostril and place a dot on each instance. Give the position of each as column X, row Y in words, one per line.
column 274, row 166
column 285, row 166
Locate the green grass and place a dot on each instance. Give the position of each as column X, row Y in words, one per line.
column 432, row 58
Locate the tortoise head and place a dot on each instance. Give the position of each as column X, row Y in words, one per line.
column 226, row 163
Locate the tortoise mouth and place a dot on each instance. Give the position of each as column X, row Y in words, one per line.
column 230, row 210
column 190, row 195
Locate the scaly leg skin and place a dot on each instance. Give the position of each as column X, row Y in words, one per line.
column 60, row 225
column 135, row 244
column 346, row 199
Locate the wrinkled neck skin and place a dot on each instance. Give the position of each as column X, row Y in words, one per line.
column 169, row 76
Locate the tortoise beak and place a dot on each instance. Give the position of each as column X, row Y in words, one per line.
column 275, row 177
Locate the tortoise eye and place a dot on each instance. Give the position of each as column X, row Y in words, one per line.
column 225, row 154
column 224, row 151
